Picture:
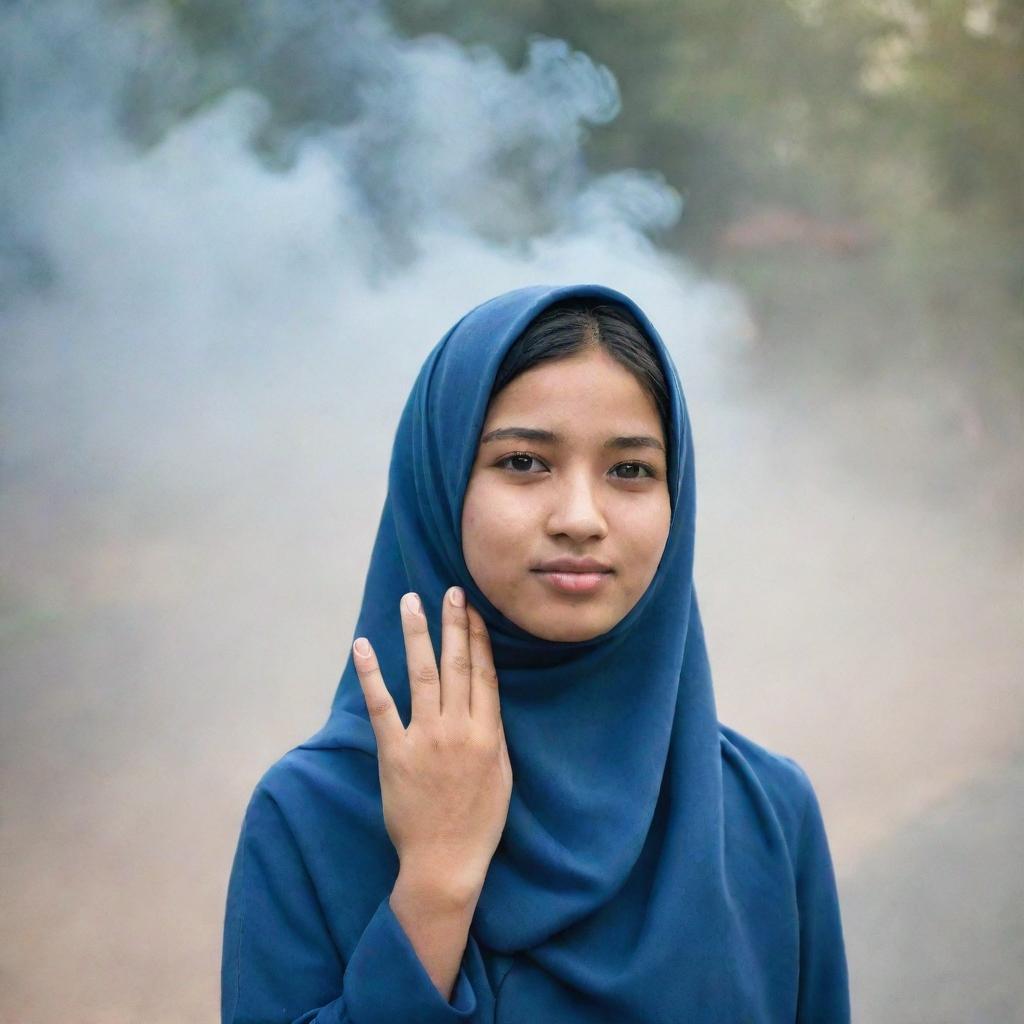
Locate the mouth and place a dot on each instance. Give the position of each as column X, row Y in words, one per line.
column 567, row 582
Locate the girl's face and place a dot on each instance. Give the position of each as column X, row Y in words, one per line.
column 571, row 464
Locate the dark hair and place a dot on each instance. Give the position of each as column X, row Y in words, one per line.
column 570, row 325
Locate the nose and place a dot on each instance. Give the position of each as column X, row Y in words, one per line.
column 576, row 511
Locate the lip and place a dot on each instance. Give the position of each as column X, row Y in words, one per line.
column 574, row 582
column 574, row 575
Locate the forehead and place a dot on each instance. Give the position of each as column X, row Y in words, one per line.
column 581, row 393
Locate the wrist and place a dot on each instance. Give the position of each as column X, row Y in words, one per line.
column 434, row 891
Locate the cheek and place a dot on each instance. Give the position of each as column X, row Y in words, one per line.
column 499, row 531
column 644, row 530
column 493, row 526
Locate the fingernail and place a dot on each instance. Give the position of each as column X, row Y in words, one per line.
column 458, row 597
column 412, row 602
column 361, row 647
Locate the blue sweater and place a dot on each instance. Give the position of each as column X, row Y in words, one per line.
column 295, row 953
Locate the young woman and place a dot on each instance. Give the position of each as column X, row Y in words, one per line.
column 522, row 808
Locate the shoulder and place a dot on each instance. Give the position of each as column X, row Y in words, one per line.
column 306, row 787
column 782, row 780
column 315, row 820
column 782, row 777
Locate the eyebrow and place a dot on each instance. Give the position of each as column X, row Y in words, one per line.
column 548, row 437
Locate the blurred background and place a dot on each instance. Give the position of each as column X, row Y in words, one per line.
column 229, row 234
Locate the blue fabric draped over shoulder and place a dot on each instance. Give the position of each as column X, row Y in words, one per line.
column 656, row 866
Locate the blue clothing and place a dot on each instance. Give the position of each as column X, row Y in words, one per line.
column 655, row 866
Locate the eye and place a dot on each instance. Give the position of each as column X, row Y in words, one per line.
column 518, row 463
column 638, row 466
column 519, row 457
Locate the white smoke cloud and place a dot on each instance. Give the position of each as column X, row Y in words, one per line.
column 193, row 276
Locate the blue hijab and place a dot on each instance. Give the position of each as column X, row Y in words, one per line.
column 656, row 866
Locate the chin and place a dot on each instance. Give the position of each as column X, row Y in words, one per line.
column 565, row 631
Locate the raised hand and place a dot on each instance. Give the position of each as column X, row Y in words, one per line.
column 446, row 780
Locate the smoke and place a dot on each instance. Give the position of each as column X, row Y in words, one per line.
column 220, row 270
column 240, row 269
